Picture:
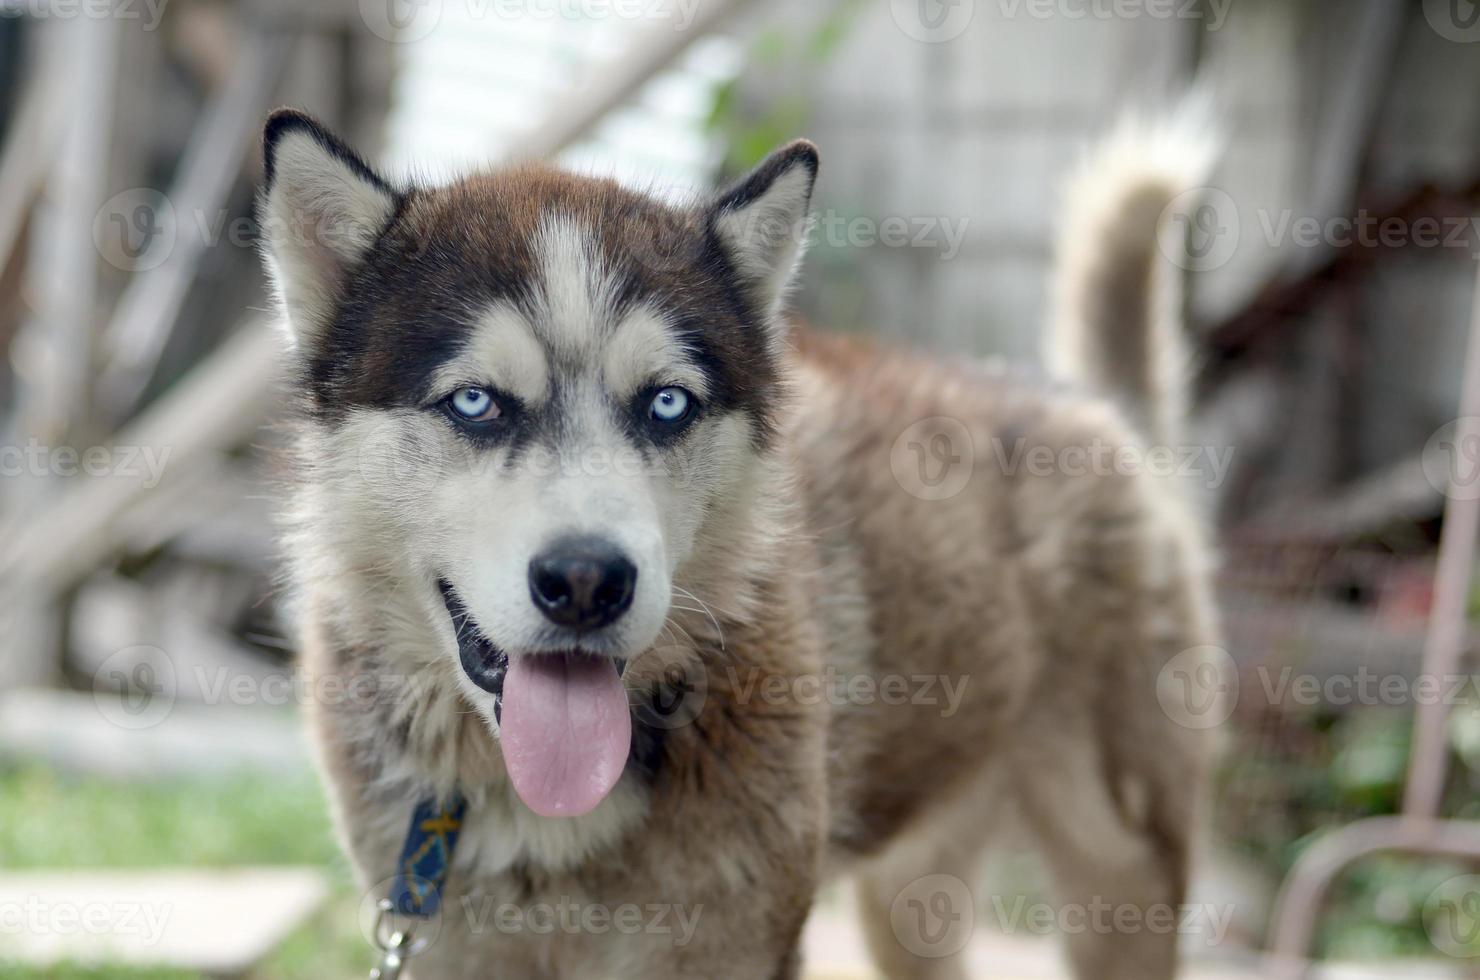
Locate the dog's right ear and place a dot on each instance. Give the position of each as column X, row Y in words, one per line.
column 321, row 210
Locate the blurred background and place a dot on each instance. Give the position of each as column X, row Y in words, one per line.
column 158, row 812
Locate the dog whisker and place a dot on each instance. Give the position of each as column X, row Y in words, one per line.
column 685, row 593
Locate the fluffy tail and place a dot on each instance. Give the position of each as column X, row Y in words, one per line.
column 1116, row 325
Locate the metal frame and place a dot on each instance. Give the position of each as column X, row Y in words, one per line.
column 1418, row 830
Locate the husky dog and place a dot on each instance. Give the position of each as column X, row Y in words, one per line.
column 697, row 610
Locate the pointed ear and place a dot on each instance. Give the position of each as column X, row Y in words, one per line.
column 321, row 210
column 762, row 220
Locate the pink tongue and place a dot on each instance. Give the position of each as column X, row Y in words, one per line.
column 565, row 731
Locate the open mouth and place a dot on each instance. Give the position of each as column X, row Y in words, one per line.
column 485, row 664
column 565, row 727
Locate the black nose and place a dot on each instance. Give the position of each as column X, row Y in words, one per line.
column 582, row 582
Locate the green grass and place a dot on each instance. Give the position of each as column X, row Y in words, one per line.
column 53, row 822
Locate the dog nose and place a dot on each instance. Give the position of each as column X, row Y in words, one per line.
column 585, row 583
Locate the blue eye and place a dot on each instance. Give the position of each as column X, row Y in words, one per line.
column 671, row 405
column 474, row 404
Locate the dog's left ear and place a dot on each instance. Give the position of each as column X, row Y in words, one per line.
column 762, row 221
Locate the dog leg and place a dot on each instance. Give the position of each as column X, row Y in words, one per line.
column 1117, row 849
column 916, row 925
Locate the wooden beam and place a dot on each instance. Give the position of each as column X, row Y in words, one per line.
column 62, row 267
column 218, row 405
column 150, row 307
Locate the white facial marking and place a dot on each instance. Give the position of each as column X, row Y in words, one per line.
column 643, row 350
column 578, row 292
column 502, row 350
column 569, row 357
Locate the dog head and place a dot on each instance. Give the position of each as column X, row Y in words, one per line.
column 534, row 391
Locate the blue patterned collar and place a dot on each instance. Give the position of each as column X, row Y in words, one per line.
column 426, row 857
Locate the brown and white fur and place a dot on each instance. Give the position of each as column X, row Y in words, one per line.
column 776, row 545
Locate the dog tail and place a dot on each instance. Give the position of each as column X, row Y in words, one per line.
column 1116, row 322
